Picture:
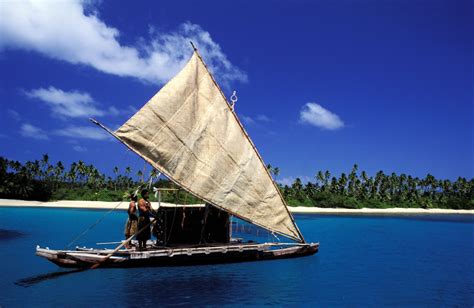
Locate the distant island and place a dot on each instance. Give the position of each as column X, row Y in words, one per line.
column 43, row 181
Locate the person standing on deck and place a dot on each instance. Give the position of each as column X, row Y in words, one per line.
column 144, row 210
column 131, row 227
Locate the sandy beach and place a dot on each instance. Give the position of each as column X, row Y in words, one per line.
column 298, row 209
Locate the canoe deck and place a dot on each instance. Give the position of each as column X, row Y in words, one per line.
column 173, row 256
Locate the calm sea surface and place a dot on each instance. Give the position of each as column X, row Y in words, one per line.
column 363, row 261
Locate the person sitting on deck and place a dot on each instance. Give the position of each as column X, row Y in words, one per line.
column 131, row 227
column 144, row 210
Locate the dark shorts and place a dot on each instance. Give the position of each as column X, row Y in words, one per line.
column 145, row 235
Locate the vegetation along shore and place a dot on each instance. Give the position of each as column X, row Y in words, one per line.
column 42, row 180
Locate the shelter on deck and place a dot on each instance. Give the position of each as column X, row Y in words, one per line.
column 191, row 225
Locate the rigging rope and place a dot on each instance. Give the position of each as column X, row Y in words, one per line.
column 184, row 210
column 93, row 225
column 206, row 213
column 278, row 239
column 99, row 220
column 174, row 216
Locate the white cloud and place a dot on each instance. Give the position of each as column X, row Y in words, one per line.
column 83, row 132
column 13, row 114
column 63, row 30
column 113, row 111
column 250, row 121
column 316, row 115
column 132, row 109
column 291, row 179
column 247, row 120
column 75, row 132
column 30, row 131
column 72, row 104
column 78, row 148
column 286, row 181
column 263, row 118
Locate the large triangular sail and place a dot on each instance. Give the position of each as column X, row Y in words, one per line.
column 189, row 132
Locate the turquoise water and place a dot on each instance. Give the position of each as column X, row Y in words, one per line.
column 363, row 261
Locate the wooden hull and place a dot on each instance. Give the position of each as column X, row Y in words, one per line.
column 84, row 257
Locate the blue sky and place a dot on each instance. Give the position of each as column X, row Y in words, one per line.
column 321, row 84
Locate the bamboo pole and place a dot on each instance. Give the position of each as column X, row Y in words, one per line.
column 96, row 265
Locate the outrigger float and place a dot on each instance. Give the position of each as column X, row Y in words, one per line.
column 190, row 133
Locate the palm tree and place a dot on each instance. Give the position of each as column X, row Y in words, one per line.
column 373, row 190
column 320, row 177
column 384, row 187
column 327, row 176
column 50, row 173
column 352, row 181
column 276, row 172
column 72, row 173
column 297, row 185
column 81, row 170
column 297, row 188
column 270, row 169
column 154, row 173
column 34, row 169
column 57, row 172
column 342, row 184
column 140, row 175
column 116, row 172
column 463, row 189
column 393, row 185
column 310, row 189
column 364, row 176
column 333, row 188
column 355, row 168
column 15, row 165
column 433, row 186
column 447, row 188
column 44, row 165
column 101, row 180
column 402, row 187
column 128, row 170
column 92, row 175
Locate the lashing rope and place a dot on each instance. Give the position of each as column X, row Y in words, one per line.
column 233, row 100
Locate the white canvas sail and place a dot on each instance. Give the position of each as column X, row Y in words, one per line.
column 189, row 132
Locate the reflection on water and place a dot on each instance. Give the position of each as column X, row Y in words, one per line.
column 184, row 285
column 30, row 281
column 9, row 234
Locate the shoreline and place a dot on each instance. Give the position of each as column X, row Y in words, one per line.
column 296, row 210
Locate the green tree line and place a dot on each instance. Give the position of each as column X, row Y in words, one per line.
column 358, row 189
column 43, row 180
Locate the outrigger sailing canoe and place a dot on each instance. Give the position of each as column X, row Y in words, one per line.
column 190, row 133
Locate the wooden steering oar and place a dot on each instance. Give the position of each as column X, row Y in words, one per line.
column 27, row 282
column 96, row 265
